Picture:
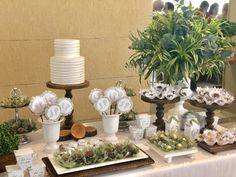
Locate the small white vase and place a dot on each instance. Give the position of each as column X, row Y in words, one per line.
column 178, row 108
column 110, row 126
column 51, row 134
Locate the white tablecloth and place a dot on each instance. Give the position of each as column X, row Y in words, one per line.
column 204, row 164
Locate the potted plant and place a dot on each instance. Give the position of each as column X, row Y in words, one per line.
column 229, row 30
column 9, row 142
column 181, row 44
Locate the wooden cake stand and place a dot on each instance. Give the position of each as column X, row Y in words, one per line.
column 210, row 111
column 69, row 119
column 160, row 109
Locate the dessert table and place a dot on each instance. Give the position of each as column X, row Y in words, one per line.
column 203, row 163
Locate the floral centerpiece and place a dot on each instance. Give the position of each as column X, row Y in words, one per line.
column 51, row 111
column 180, row 44
column 50, row 108
column 110, row 103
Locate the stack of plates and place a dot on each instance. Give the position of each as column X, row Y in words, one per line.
column 67, row 47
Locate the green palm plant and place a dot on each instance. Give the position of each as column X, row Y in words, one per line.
column 180, row 44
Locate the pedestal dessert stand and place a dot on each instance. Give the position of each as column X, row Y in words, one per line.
column 160, row 109
column 68, row 88
column 210, row 112
column 15, row 94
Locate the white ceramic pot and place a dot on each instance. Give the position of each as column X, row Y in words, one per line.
column 110, row 126
column 51, row 133
column 178, row 108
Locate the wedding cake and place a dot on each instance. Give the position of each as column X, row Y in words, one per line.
column 67, row 66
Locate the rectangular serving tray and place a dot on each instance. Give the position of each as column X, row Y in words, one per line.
column 90, row 170
column 167, row 156
column 216, row 148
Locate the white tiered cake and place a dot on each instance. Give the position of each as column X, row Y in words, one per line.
column 67, row 66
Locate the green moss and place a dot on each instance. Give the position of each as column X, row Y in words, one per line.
column 9, row 140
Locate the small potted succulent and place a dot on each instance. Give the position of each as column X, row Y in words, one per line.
column 9, row 142
column 111, row 103
column 50, row 111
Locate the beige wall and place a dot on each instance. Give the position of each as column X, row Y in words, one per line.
column 230, row 75
column 27, row 31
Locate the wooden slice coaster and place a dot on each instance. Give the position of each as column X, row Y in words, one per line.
column 78, row 131
column 90, row 131
column 65, row 135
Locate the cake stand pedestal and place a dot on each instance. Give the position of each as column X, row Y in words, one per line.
column 68, row 88
column 24, row 139
column 209, row 113
column 160, row 109
column 15, row 96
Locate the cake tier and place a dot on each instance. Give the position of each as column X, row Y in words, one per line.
column 67, row 48
column 68, row 70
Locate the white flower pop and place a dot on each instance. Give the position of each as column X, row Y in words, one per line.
column 112, row 101
column 49, row 107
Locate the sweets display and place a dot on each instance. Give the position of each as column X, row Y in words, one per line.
column 211, row 96
column 9, row 102
column 88, row 155
column 170, row 141
column 161, row 91
column 67, row 66
column 212, row 137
